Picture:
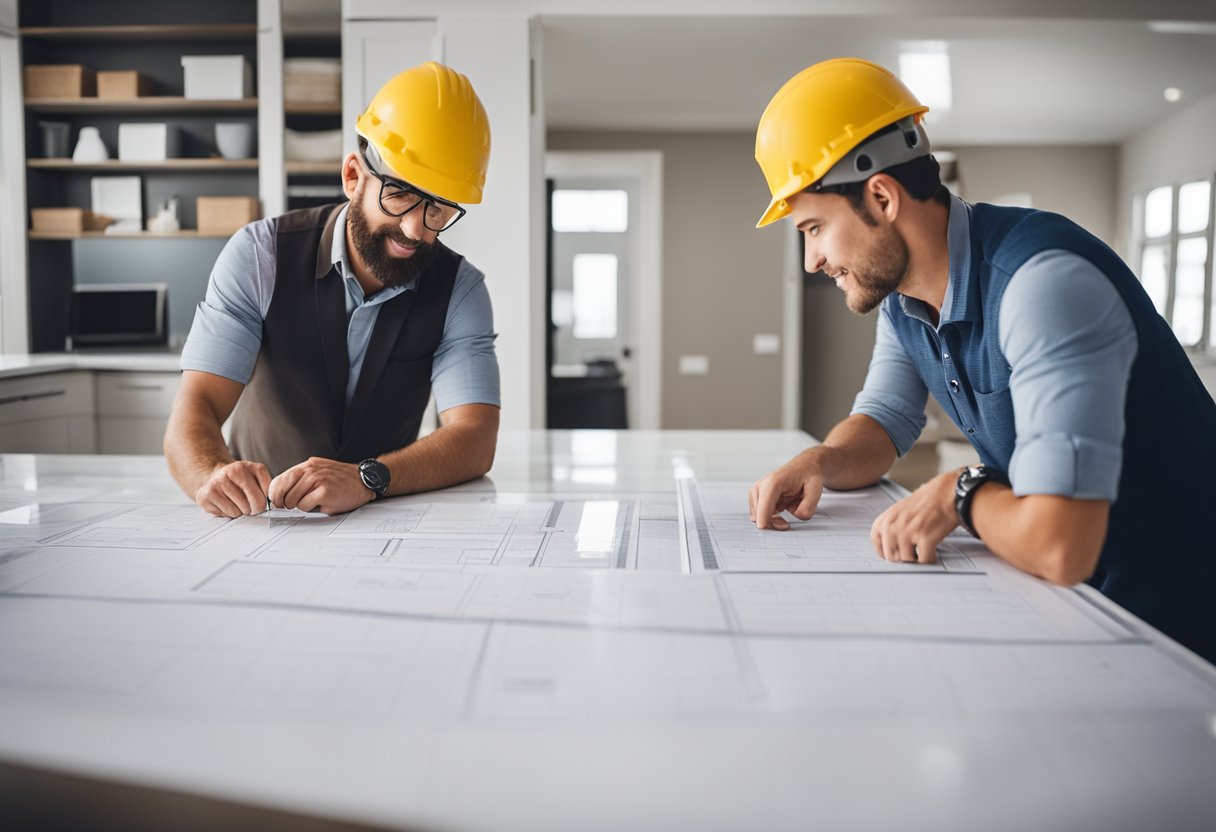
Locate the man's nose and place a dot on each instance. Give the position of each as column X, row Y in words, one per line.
column 412, row 225
column 814, row 262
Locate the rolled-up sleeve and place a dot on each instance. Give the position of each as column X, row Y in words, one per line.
column 465, row 369
column 894, row 394
column 227, row 330
column 1070, row 341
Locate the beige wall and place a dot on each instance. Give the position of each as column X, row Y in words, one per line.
column 721, row 276
column 1078, row 181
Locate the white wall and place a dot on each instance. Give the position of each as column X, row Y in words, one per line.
column 1178, row 149
column 504, row 235
column 14, row 330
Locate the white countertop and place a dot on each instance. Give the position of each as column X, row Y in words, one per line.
column 592, row 637
column 12, row 365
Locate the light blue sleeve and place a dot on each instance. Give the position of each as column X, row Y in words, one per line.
column 894, row 394
column 227, row 331
column 465, row 369
column 1070, row 340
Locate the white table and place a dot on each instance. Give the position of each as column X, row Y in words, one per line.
column 553, row 648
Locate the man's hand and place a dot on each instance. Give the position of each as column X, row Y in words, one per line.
column 320, row 484
column 794, row 487
column 918, row 523
column 234, row 489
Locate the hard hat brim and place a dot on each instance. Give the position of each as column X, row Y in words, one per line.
column 777, row 209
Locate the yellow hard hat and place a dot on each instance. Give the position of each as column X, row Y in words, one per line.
column 820, row 115
column 428, row 128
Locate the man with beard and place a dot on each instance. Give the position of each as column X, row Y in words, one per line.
column 1096, row 437
column 332, row 326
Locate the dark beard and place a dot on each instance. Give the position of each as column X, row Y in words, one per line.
column 372, row 247
column 879, row 273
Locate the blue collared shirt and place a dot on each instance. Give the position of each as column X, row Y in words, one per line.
column 1069, row 339
column 227, row 330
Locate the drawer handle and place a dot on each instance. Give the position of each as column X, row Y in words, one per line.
column 126, row 385
column 29, row 397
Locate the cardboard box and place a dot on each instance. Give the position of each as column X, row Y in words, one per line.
column 152, row 142
column 123, row 84
column 217, row 76
column 225, row 214
column 312, row 80
column 66, row 220
column 60, row 81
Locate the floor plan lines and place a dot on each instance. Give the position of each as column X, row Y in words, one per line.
column 720, row 535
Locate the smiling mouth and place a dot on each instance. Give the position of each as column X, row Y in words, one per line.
column 401, row 250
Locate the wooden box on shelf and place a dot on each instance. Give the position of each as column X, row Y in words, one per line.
column 66, row 220
column 60, row 81
column 225, row 214
column 123, row 84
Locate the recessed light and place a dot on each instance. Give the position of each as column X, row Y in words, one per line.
column 1172, row 94
column 1182, row 27
column 925, row 68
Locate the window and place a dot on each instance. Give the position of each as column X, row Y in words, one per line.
column 603, row 210
column 1174, row 234
column 594, row 301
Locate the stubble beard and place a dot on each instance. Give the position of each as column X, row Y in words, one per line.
column 878, row 273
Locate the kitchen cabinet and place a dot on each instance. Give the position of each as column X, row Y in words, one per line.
column 133, row 410
column 49, row 413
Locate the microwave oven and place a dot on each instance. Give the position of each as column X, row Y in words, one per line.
column 118, row 315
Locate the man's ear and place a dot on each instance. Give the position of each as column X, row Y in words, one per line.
column 886, row 193
column 352, row 173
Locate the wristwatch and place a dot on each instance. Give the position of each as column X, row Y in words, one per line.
column 968, row 482
column 375, row 476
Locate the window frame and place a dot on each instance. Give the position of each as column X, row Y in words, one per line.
column 1207, row 338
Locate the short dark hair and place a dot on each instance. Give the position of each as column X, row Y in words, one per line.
column 921, row 178
column 362, row 143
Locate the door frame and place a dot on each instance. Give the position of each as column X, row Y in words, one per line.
column 792, row 297
column 646, row 291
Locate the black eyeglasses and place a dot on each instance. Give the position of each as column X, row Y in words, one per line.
column 398, row 198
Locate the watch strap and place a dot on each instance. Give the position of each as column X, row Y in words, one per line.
column 969, row 481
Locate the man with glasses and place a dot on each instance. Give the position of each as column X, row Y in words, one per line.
column 333, row 325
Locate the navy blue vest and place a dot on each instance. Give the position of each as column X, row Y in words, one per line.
column 1159, row 559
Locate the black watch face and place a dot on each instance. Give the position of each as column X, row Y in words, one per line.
column 375, row 475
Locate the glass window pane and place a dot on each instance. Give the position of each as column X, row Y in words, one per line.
column 595, row 296
column 1152, row 275
column 1188, row 291
column 1194, row 201
column 1158, row 216
column 563, row 308
column 590, row 210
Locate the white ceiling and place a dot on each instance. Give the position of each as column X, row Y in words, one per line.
column 1014, row 80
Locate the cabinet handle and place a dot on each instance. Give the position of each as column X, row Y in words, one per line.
column 29, row 397
column 127, row 385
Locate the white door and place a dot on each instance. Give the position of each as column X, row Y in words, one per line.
column 594, row 264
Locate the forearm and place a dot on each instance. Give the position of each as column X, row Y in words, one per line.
column 855, row 454
column 1055, row 538
column 452, row 454
column 194, row 446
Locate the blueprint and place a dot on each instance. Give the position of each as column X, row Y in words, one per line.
column 534, row 652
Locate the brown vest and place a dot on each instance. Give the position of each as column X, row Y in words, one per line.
column 295, row 406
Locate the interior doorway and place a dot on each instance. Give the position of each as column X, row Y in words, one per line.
column 604, row 289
